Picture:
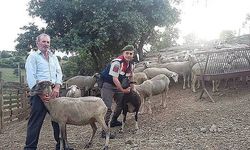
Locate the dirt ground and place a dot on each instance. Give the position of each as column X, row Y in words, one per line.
column 185, row 124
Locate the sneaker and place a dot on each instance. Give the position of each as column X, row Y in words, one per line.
column 115, row 123
column 111, row 136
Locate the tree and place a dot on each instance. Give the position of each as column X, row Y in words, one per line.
column 27, row 41
column 190, row 39
column 226, row 35
column 99, row 29
column 5, row 54
column 164, row 39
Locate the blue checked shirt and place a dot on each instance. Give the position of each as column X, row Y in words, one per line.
column 39, row 69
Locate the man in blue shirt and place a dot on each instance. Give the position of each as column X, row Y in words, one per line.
column 41, row 65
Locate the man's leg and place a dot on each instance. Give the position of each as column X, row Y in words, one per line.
column 37, row 115
column 118, row 96
column 107, row 96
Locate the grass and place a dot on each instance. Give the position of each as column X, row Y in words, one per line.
column 8, row 76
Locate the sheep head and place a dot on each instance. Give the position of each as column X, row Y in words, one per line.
column 175, row 77
column 42, row 88
column 126, row 83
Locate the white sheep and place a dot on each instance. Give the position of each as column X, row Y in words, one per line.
column 182, row 68
column 73, row 91
column 141, row 68
column 140, row 77
column 217, row 68
column 74, row 111
column 157, row 85
column 85, row 83
column 152, row 72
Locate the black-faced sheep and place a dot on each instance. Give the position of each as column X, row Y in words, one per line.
column 74, row 111
column 131, row 103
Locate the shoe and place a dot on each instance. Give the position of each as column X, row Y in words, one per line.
column 115, row 123
column 111, row 136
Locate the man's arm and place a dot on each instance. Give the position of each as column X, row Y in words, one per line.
column 119, row 87
column 30, row 67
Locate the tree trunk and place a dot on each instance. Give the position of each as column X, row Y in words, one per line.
column 141, row 43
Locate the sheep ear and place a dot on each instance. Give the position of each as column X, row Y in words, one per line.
column 34, row 90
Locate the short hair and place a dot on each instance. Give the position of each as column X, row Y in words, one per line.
column 41, row 35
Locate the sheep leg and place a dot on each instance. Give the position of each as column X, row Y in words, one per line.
column 162, row 99
column 136, row 121
column 213, row 90
column 106, row 128
column 188, row 81
column 193, row 83
column 124, row 112
column 143, row 106
column 149, row 105
column 165, row 98
column 184, row 82
column 217, row 85
column 64, row 142
column 94, row 128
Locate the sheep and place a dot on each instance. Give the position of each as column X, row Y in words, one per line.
column 239, row 64
column 74, row 91
column 139, row 77
column 182, row 68
column 162, row 59
column 85, row 83
column 131, row 103
column 152, row 72
column 140, row 69
column 74, row 111
column 157, row 85
column 198, row 69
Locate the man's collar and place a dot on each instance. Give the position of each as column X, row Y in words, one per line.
column 40, row 52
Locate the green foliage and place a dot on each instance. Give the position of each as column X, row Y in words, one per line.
column 27, row 40
column 99, row 29
column 12, row 62
column 5, row 54
column 164, row 39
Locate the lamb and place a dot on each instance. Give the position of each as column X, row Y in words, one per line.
column 140, row 77
column 74, row 91
column 157, row 85
column 131, row 103
column 74, row 111
column 85, row 83
column 152, row 72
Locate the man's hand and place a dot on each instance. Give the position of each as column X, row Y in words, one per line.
column 55, row 91
column 127, row 90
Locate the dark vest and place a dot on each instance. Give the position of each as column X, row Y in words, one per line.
column 106, row 77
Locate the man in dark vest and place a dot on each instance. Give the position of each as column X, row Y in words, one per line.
column 112, row 76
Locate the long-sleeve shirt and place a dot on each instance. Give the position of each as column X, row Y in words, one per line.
column 39, row 69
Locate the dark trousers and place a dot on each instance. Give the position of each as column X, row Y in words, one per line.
column 108, row 92
column 37, row 115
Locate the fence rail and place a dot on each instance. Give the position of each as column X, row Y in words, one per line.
column 14, row 104
column 223, row 64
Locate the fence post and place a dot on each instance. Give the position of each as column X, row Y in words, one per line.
column 1, row 102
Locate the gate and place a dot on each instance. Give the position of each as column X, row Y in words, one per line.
column 14, row 104
column 223, row 64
